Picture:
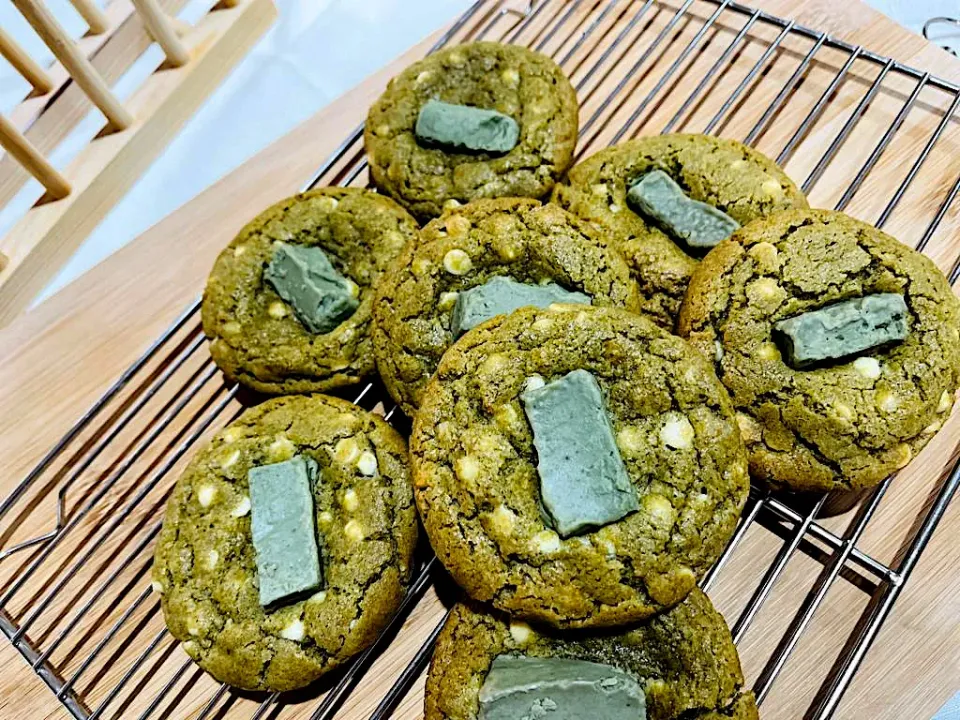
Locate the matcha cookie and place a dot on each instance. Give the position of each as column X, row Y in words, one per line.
column 477, row 261
column 238, row 586
column 288, row 304
column 607, row 189
column 683, row 660
column 521, row 447
column 482, row 120
column 838, row 344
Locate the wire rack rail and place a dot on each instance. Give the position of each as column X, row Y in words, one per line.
column 75, row 596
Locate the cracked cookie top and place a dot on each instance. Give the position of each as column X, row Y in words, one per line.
column 467, row 247
column 840, row 426
column 476, row 481
column 684, row 659
column 520, row 83
column 725, row 174
column 205, row 568
column 256, row 339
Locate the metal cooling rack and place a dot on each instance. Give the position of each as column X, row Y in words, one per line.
column 93, row 631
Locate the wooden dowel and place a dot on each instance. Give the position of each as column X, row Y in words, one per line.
column 24, row 64
column 80, row 69
column 14, row 142
column 92, row 15
column 162, row 30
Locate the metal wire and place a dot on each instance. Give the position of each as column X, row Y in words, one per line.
column 567, row 31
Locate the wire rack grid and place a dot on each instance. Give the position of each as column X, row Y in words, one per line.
column 76, row 534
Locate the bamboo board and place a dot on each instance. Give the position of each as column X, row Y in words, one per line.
column 102, row 322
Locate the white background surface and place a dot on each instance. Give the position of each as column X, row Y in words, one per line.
column 317, row 50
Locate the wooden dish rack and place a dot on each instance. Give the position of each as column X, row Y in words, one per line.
column 70, row 203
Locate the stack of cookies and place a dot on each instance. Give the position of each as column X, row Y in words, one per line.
column 592, row 382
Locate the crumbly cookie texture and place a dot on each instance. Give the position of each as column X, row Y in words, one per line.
column 525, row 85
column 844, row 426
column 725, row 174
column 204, row 565
column 255, row 337
column 684, row 658
column 468, row 246
column 476, row 482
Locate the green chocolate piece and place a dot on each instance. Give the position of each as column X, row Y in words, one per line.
column 843, row 329
column 501, row 296
column 461, row 127
column 700, row 226
column 303, row 276
column 530, row 688
column 583, row 481
column 284, row 530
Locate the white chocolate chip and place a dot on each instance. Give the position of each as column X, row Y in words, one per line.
column 887, row 401
column 242, row 508
column 932, row 429
column 327, row 203
column 231, row 328
column 494, row 363
column 542, row 324
column 213, row 557
column 457, row 262
column 765, row 254
column 350, row 501
column 281, row 449
column 451, row 204
column 764, row 288
column 904, row 455
column 503, row 519
column 293, row 631
column 867, row 367
column 677, row 432
column 383, row 129
column 367, row 464
column 507, row 250
column 354, row 531
column 231, row 434
column 318, row 597
column 190, row 648
column 447, row 300
column 325, row 518
column 946, row 402
column 546, row 541
column 614, row 208
column 230, row 460
column 467, row 468
column 534, row 382
column 193, row 630
column 277, row 310
column 510, row 77
column 717, row 350
column 609, row 549
column 239, row 250
column 457, row 225
column 352, row 624
column 769, row 351
column 772, row 188
column 346, row 450
column 631, row 440
column 843, row 411
column 456, row 58
column 750, row 429
column 423, row 77
column 659, row 508
column 506, row 416
column 157, row 587
column 738, row 164
column 600, row 189
column 520, row 632
column 206, row 495
column 352, row 288
column 421, row 266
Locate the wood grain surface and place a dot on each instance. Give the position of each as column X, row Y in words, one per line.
column 57, row 359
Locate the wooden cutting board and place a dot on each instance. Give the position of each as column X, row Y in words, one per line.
column 57, row 359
